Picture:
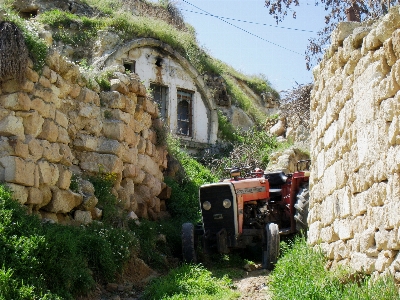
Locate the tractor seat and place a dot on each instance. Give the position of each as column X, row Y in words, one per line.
column 275, row 192
column 276, row 178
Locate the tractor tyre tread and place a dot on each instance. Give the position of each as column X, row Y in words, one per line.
column 302, row 207
column 188, row 245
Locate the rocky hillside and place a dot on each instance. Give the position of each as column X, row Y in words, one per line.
column 87, row 32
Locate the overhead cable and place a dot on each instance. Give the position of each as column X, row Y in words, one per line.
column 257, row 36
column 244, row 21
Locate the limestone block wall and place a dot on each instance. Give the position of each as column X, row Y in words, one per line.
column 54, row 125
column 355, row 148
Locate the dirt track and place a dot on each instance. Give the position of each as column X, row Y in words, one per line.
column 253, row 286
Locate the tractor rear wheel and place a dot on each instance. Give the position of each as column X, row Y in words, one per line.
column 188, row 247
column 270, row 251
column 301, row 206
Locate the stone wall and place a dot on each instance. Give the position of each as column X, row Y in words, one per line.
column 54, row 126
column 355, row 148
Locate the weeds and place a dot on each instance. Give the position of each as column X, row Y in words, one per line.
column 103, row 183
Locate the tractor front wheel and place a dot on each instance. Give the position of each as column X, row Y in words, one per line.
column 270, row 251
column 188, row 247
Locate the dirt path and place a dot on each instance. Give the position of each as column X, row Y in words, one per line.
column 253, row 286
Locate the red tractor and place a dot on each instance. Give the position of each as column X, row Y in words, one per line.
column 250, row 208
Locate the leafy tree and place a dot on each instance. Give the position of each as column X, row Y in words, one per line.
column 336, row 11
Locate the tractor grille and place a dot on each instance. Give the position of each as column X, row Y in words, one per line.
column 218, row 217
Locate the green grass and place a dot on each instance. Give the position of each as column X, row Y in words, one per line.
column 190, row 282
column 226, row 130
column 184, row 203
column 300, row 274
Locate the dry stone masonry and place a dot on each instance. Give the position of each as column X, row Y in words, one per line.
column 55, row 126
column 355, row 147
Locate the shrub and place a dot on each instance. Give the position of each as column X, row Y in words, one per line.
column 49, row 261
column 251, row 148
column 153, row 249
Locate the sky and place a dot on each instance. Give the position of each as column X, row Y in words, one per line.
column 277, row 53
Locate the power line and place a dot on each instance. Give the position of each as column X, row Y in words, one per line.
column 257, row 36
column 244, row 21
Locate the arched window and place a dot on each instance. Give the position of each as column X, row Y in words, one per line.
column 184, row 112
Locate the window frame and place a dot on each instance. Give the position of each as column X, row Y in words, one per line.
column 189, row 121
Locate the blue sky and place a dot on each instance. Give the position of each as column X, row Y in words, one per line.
column 247, row 53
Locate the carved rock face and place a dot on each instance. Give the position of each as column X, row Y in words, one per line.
column 39, row 6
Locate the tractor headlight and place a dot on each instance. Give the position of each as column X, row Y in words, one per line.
column 226, row 203
column 207, row 205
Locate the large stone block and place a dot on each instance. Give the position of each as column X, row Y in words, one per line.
column 107, row 146
column 130, row 136
column 49, row 173
column 389, row 23
column 342, row 31
column 89, row 202
column 32, row 121
column 19, row 192
column 314, row 231
column 16, row 101
column 130, row 171
column 327, row 211
column 114, row 130
column 20, row 149
column 61, row 119
column 119, row 86
column 83, row 217
column 118, row 114
column 362, row 263
column 343, row 228
column 12, row 125
column 35, row 149
column 129, row 155
column 85, row 142
column 63, row 136
column 44, row 109
column 75, row 91
column 328, row 235
column 94, row 162
column 113, row 99
column 49, row 131
column 392, row 215
column 385, row 259
column 88, row 110
column 63, row 201
column 64, row 179
column 17, row 170
column 66, row 155
column 35, row 196
column 52, row 151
